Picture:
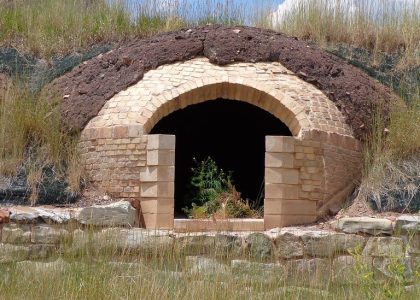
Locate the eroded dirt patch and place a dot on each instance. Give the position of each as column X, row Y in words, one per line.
column 85, row 89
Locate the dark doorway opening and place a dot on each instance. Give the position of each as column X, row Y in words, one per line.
column 232, row 133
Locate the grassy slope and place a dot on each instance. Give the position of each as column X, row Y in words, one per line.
column 52, row 27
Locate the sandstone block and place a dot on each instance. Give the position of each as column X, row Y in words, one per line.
column 368, row 225
column 159, row 221
column 160, row 142
column 120, row 213
column 157, row 173
column 160, row 157
column 274, row 221
column 279, row 160
column 281, row 175
column 281, row 191
column 290, row 207
column 384, row 247
column 157, row 189
column 288, row 246
column 157, row 205
column 279, row 144
column 323, row 244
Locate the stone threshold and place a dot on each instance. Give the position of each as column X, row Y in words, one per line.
column 206, row 225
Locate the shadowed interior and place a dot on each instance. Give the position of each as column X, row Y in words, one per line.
column 232, row 133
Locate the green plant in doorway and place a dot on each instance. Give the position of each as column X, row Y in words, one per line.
column 213, row 194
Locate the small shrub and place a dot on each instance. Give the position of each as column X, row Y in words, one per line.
column 214, row 195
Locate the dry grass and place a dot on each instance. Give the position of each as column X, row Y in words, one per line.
column 31, row 135
column 386, row 31
column 99, row 267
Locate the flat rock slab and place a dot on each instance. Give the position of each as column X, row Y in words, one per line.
column 120, row 213
column 408, row 223
column 45, row 214
column 372, row 226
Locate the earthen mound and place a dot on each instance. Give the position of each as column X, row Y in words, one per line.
column 85, row 89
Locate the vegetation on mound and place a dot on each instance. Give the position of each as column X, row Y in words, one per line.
column 212, row 194
column 33, row 144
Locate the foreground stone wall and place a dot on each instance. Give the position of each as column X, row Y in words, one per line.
column 375, row 244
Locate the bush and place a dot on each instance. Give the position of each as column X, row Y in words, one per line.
column 212, row 194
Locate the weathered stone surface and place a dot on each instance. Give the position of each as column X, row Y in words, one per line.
column 268, row 269
column 41, row 268
column 206, row 266
column 386, row 267
column 314, row 271
column 288, row 246
column 48, row 235
column 413, row 244
column 15, row 235
column 50, row 215
column 259, row 246
column 195, row 244
column 227, row 245
column 145, row 241
column 115, row 214
column 368, row 225
column 11, row 253
column 384, row 247
column 327, row 244
column 350, row 269
column 408, row 223
column 41, row 251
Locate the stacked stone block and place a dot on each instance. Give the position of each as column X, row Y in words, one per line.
column 284, row 204
column 157, row 182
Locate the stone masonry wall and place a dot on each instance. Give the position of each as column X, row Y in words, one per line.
column 307, row 175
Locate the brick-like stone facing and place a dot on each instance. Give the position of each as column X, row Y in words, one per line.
column 114, row 165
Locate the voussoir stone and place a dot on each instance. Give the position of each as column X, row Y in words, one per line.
column 372, row 226
column 329, row 244
column 384, row 247
column 120, row 213
column 407, row 223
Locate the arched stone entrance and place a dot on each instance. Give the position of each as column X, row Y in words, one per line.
column 305, row 174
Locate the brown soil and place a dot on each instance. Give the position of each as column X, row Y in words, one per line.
column 85, row 89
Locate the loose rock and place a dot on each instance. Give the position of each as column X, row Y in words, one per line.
column 368, row 225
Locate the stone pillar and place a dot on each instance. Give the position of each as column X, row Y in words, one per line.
column 283, row 205
column 157, row 182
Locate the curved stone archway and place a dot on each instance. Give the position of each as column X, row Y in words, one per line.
column 305, row 174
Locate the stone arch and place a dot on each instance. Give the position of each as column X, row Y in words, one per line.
column 281, row 106
column 306, row 174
